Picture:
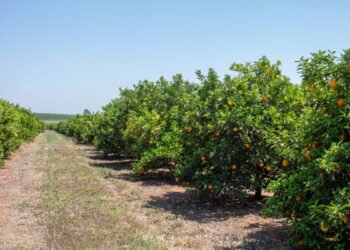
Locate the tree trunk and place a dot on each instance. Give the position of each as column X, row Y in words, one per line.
column 258, row 195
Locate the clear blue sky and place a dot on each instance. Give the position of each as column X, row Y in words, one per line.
column 64, row 56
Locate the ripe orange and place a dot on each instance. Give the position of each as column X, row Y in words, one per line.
column 340, row 102
column 307, row 155
column 203, row 158
column 314, row 145
column 217, row 133
column 234, row 167
column 230, row 102
column 189, row 129
column 261, row 164
column 247, row 145
column 268, row 168
column 266, row 98
column 177, row 179
column 285, row 163
column 210, row 187
column 312, row 88
column 345, row 219
column 298, row 198
column 235, row 129
column 333, row 83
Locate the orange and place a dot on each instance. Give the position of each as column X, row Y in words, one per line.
column 203, row 158
column 217, row 133
column 189, row 129
column 150, row 142
column 307, row 155
column 345, row 219
column 266, row 98
column 324, row 228
column 247, row 145
column 210, row 187
column 268, row 168
column 285, row 163
column 235, row 129
column 312, row 88
column 261, row 164
column 340, row 102
column 332, row 83
column 230, row 102
column 268, row 70
column 306, row 145
column 298, row 198
column 177, row 179
column 314, row 145
column 234, row 167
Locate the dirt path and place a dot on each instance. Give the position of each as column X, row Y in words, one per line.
column 55, row 194
column 18, row 187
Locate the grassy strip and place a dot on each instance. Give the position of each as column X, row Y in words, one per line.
column 77, row 209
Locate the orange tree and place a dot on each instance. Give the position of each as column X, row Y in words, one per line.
column 111, row 123
column 316, row 198
column 227, row 138
column 16, row 126
column 81, row 127
column 153, row 133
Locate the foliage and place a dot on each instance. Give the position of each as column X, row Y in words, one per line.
column 316, row 198
column 81, row 127
column 17, row 125
column 248, row 131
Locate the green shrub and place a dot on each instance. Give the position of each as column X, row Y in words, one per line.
column 316, row 198
column 17, row 125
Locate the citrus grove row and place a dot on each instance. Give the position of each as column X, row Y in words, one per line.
column 250, row 131
column 17, row 125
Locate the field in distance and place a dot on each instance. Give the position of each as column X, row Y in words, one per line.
column 52, row 118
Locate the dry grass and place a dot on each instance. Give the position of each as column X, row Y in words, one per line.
column 77, row 209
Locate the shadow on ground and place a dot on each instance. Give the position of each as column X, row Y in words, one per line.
column 265, row 238
column 190, row 206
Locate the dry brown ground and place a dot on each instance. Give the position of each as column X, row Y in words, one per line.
column 182, row 220
column 55, row 194
column 18, row 186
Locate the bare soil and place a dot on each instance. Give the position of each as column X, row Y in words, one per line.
column 18, row 186
column 183, row 220
column 159, row 211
